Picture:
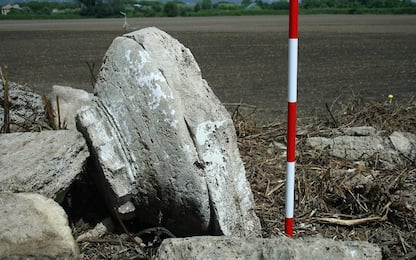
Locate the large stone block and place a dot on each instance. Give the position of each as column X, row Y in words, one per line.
column 164, row 142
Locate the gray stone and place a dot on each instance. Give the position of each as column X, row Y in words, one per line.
column 34, row 227
column 26, row 112
column 363, row 143
column 217, row 248
column 42, row 162
column 348, row 147
column 70, row 100
column 164, row 142
column 359, row 131
column 405, row 144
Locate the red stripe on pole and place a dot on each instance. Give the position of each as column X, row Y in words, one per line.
column 291, row 132
column 289, row 222
column 293, row 19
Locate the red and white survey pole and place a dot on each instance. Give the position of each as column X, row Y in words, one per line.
column 291, row 117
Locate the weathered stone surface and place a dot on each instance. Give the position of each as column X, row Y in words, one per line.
column 349, row 147
column 281, row 248
column 359, row 131
column 42, row 162
column 25, row 108
column 363, row 142
column 405, row 144
column 70, row 100
column 34, row 227
column 165, row 142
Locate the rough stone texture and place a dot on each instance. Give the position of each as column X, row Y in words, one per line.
column 165, row 142
column 359, row 131
column 217, row 248
column 70, row 100
column 349, row 147
column 34, row 227
column 43, row 162
column 26, row 109
column 405, row 144
column 363, row 142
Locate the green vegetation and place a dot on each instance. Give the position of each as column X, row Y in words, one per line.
column 172, row 8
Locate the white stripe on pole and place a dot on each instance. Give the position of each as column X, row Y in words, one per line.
column 293, row 70
column 290, row 189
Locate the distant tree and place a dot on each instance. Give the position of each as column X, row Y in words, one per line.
column 101, row 8
column 246, row 3
column 171, row 9
column 206, row 4
column 87, row 7
column 280, row 5
column 197, row 7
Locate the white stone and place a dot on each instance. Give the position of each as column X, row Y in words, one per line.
column 34, row 227
column 70, row 100
column 165, row 142
column 282, row 248
column 43, row 162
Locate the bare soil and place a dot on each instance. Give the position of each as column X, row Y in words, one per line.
column 244, row 59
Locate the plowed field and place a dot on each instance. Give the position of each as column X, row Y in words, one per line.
column 244, row 59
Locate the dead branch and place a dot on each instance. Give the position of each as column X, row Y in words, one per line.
column 6, row 126
column 350, row 222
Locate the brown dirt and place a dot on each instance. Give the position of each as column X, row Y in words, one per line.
column 244, row 59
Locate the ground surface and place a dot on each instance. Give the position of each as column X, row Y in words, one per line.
column 244, row 59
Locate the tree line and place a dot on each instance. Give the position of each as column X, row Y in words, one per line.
column 172, row 8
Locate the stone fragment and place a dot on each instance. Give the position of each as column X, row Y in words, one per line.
column 26, row 112
column 359, row 131
column 34, row 227
column 363, row 142
column 42, row 162
column 98, row 231
column 405, row 144
column 164, row 142
column 207, row 248
column 70, row 100
column 349, row 147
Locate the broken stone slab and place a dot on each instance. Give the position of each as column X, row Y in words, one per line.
column 165, row 146
column 44, row 162
column 348, row 147
column 70, row 100
column 405, row 144
column 34, row 227
column 223, row 247
column 26, row 109
column 363, row 142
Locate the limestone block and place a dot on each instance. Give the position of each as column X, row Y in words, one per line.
column 42, row 162
column 280, row 248
column 34, row 227
column 165, row 145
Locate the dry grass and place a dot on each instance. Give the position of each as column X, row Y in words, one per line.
column 330, row 201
